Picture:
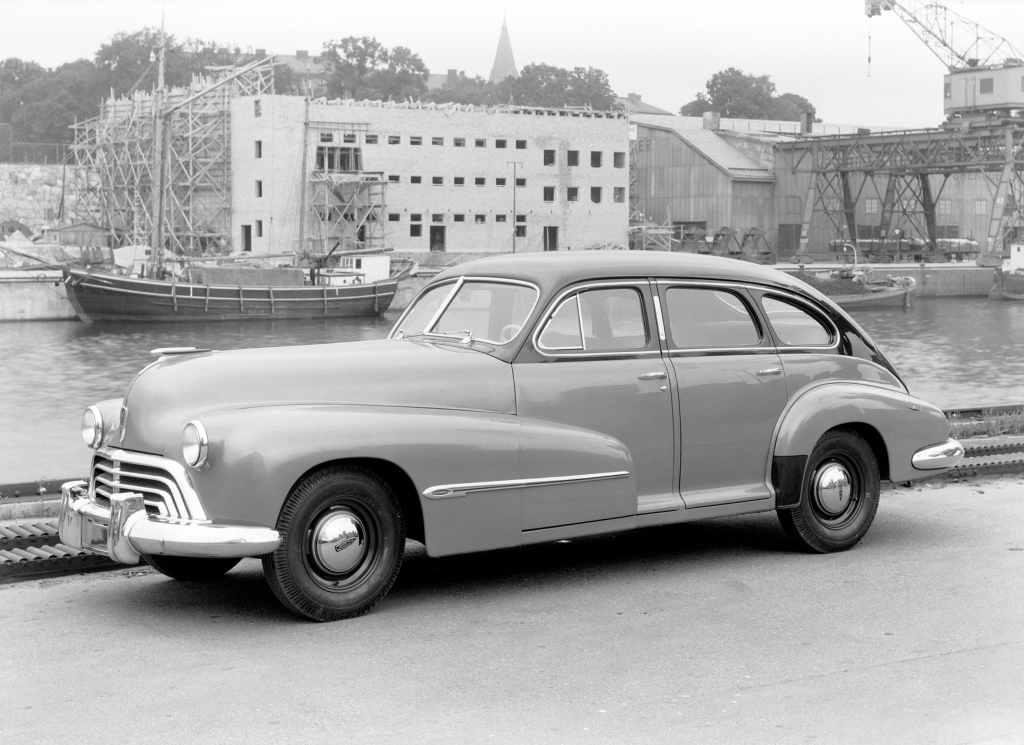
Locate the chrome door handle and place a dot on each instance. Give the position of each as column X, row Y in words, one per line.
column 770, row 371
column 653, row 376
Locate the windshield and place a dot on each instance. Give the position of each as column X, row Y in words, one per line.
column 484, row 310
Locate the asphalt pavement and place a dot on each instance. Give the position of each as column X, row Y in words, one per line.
column 709, row 632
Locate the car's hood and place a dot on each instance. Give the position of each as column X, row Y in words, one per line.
column 170, row 393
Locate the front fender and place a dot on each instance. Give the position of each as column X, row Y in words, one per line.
column 905, row 424
column 257, row 455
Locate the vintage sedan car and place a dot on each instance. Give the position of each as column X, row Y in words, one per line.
column 519, row 399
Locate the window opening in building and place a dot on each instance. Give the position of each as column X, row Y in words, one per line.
column 459, row 142
column 500, row 143
column 501, row 218
column 619, row 160
column 437, row 237
column 520, row 144
column 259, row 228
column 459, row 217
column 437, row 140
column 394, row 139
column 259, row 148
column 572, row 194
column 415, row 179
column 394, row 217
column 520, row 218
column 619, row 194
column 981, row 206
column 520, row 182
column 370, row 139
column 437, row 217
column 326, row 137
column 945, row 207
column 480, row 143
column 499, row 182
column 947, row 89
column 338, row 159
column 549, row 157
column 349, row 137
column 550, row 237
column 415, row 140
column 460, row 181
column 259, row 188
column 247, row 237
column 595, row 158
column 480, row 218
column 549, row 194
column 416, row 217
column 257, row 110
column 481, row 181
column 520, row 231
column 415, row 230
column 595, row 194
column 437, row 180
column 394, row 178
column 985, row 85
column 573, row 157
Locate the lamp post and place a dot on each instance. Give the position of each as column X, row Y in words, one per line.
column 515, row 164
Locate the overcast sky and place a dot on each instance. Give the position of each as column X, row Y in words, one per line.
column 662, row 49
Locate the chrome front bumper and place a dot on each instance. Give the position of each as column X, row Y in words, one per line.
column 946, row 455
column 124, row 531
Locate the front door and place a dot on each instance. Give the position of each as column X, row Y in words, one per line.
column 550, row 237
column 598, row 366
column 247, row 237
column 731, row 392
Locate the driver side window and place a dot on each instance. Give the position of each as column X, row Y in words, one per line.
column 599, row 320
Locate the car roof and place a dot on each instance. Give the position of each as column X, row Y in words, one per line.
column 553, row 270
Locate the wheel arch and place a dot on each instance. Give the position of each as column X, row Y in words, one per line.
column 874, row 440
column 395, row 477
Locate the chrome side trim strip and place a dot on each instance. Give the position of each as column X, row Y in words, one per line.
column 946, row 455
column 447, row 491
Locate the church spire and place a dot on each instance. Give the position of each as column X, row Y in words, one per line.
column 504, row 63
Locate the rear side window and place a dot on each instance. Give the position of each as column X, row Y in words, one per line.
column 600, row 320
column 794, row 326
column 703, row 318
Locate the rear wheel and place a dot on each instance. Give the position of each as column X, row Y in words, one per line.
column 839, row 495
column 188, row 569
column 342, row 541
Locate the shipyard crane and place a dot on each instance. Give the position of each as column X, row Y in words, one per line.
column 984, row 69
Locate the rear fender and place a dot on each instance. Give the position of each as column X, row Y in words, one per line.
column 905, row 424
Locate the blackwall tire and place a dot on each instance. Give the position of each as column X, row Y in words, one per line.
column 342, row 542
column 189, row 569
column 838, row 497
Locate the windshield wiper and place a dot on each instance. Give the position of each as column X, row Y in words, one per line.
column 463, row 337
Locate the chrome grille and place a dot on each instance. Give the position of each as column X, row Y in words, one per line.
column 159, row 490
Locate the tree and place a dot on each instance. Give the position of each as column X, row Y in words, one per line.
column 545, row 85
column 50, row 104
column 464, row 90
column 15, row 74
column 362, row 67
column 735, row 94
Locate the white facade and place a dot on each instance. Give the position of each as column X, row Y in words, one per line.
column 450, row 173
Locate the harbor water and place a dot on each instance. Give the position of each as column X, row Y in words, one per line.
column 954, row 352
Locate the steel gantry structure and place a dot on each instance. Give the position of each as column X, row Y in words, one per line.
column 907, row 171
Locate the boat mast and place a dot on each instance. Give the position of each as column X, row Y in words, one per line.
column 160, row 147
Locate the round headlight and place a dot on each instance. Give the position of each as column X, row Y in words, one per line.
column 195, row 445
column 92, row 427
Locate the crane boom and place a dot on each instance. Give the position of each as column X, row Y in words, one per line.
column 957, row 41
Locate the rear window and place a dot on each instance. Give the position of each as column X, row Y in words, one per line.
column 795, row 326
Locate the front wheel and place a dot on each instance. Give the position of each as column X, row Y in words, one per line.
column 838, row 497
column 343, row 537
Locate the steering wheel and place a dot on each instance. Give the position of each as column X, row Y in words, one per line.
column 509, row 332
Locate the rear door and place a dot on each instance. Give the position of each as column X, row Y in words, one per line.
column 731, row 391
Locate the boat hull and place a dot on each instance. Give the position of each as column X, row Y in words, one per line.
column 896, row 297
column 1011, row 284
column 109, row 297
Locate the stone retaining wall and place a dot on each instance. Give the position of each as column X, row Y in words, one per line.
column 31, row 194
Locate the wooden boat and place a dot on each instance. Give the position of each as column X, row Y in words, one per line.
column 1011, row 284
column 896, row 292
column 280, row 293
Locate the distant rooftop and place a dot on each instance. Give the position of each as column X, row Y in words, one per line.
column 633, row 105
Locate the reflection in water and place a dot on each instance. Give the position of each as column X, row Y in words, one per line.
column 951, row 351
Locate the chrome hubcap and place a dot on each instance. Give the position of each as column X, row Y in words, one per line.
column 832, row 488
column 339, row 542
